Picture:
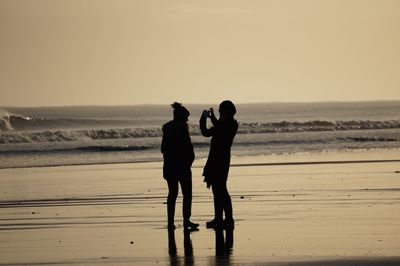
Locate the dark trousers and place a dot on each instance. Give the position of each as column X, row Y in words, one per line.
column 173, row 187
column 222, row 201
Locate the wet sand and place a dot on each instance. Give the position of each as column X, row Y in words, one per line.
column 320, row 209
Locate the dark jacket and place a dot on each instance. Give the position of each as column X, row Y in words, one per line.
column 223, row 132
column 177, row 150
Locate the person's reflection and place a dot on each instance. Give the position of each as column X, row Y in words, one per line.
column 223, row 247
column 187, row 245
column 172, row 247
column 229, row 241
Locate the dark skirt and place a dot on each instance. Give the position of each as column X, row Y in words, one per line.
column 216, row 170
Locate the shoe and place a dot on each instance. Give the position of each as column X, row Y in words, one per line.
column 213, row 224
column 228, row 224
column 190, row 225
column 210, row 224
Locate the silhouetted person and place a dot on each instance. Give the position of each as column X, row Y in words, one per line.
column 216, row 169
column 178, row 156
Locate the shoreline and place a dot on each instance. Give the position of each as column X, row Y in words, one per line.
column 278, row 157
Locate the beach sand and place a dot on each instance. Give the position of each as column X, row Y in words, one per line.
column 289, row 210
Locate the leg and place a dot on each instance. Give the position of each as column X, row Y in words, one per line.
column 171, row 201
column 218, row 202
column 186, row 186
column 227, row 203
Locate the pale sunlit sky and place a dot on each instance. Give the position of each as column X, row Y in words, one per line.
column 98, row 52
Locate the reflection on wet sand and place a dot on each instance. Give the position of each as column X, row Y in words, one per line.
column 344, row 214
column 223, row 248
column 187, row 245
column 171, row 243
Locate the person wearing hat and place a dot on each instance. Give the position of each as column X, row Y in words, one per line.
column 216, row 169
column 177, row 150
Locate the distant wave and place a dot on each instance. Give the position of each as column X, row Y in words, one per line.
column 97, row 128
column 372, row 139
column 107, row 148
column 286, row 126
column 7, row 120
column 12, row 122
column 73, row 135
column 16, row 136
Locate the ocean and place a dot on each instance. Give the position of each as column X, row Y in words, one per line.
column 74, row 135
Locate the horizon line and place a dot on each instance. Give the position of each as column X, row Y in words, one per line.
column 163, row 104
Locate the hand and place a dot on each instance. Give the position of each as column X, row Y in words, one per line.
column 211, row 112
column 205, row 113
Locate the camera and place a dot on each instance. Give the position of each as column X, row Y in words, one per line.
column 208, row 113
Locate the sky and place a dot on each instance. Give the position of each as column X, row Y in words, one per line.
column 96, row 52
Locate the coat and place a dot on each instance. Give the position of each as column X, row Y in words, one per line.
column 177, row 150
column 223, row 132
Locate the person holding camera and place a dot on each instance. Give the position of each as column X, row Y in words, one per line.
column 177, row 150
column 216, row 170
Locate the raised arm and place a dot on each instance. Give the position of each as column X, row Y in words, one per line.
column 206, row 132
column 213, row 119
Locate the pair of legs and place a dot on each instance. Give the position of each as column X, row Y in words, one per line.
column 222, row 202
column 186, row 187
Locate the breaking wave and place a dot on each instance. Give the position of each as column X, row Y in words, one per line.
column 7, row 120
column 12, row 122
column 316, row 125
column 8, row 135
column 127, row 126
column 82, row 149
column 73, row 135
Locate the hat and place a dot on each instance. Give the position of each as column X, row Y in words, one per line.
column 180, row 112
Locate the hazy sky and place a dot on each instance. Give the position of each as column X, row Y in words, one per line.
column 86, row 52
